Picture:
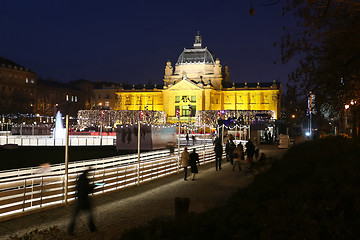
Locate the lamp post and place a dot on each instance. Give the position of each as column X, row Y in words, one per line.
column 178, row 116
column 139, row 126
column 66, row 160
column 347, row 106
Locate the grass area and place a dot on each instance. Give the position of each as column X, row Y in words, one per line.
column 312, row 193
column 34, row 156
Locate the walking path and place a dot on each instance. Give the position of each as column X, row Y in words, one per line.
column 116, row 211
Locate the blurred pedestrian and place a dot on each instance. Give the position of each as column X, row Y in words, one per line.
column 238, row 156
column 187, row 139
column 83, row 189
column 171, row 147
column 194, row 160
column 218, row 154
column 44, row 168
column 185, row 158
column 193, row 139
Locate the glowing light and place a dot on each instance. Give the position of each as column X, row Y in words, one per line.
column 307, row 134
column 293, row 116
column 347, row 106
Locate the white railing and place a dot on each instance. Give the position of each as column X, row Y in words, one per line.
column 49, row 141
column 25, row 190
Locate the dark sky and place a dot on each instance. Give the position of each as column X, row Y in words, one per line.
column 130, row 41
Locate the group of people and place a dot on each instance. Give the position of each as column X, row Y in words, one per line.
column 235, row 154
column 268, row 137
column 191, row 160
column 187, row 139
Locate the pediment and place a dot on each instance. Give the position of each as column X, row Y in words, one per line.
column 184, row 84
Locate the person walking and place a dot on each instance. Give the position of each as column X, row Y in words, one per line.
column 83, row 189
column 227, row 150
column 218, row 154
column 238, row 156
column 250, row 151
column 232, row 147
column 187, row 139
column 185, row 158
column 194, row 160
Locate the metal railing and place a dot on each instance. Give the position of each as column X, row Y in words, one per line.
column 49, row 141
column 25, row 190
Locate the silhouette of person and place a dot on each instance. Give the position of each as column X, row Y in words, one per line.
column 83, row 189
column 250, row 151
column 194, row 160
column 218, row 154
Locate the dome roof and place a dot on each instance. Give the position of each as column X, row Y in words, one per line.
column 196, row 56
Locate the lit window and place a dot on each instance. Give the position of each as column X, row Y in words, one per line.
column 72, row 98
column 193, row 98
column 177, row 99
column 27, row 80
column 75, row 98
column 107, row 104
column 67, row 97
column 32, row 80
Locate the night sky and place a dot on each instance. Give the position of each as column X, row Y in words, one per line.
column 130, row 41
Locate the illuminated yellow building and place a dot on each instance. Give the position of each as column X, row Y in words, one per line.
column 199, row 83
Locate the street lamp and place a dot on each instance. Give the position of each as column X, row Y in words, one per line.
column 190, row 111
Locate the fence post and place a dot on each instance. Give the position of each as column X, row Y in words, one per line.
column 138, row 169
column 66, row 158
column 117, row 177
column 103, row 179
column 24, row 195
column 41, row 192
column 204, row 142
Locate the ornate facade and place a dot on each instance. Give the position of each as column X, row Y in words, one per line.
column 199, row 83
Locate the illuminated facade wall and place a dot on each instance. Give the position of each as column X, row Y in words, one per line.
column 189, row 97
column 200, row 83
column 140, row 99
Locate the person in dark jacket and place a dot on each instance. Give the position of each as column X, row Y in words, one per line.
column 250, row 151
column 218, row 154
column 83, row 189
column 194, row 160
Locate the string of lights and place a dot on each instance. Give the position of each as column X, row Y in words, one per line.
column 87, row 118
column 242, row 117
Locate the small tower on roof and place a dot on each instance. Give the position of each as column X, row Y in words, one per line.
column 198, row 40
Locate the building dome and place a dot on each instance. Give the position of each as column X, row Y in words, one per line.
column 196, row 56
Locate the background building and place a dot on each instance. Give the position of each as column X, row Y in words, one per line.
column 104, row 95
column 26, row 98
column 17, row 88
column 200, row 83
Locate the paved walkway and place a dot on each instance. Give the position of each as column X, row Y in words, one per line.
column 114, row 212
